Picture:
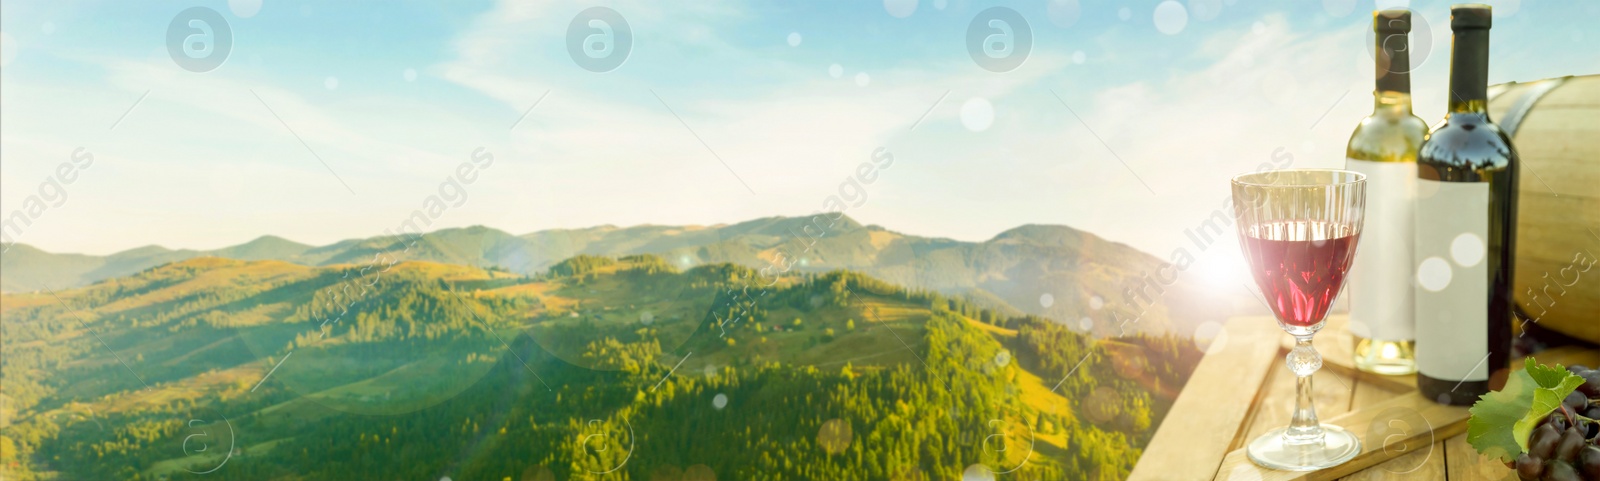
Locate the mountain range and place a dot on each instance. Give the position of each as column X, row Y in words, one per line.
column 1057, row 272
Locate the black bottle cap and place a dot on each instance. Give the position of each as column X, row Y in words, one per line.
column 1469, row 16
column 1393, row 20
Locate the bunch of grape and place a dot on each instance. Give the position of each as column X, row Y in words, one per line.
column 1564, row 447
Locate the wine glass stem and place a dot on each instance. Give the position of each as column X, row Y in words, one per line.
column 1303, row 426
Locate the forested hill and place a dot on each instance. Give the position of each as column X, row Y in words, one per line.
column 1047, row 270
column 599, row 368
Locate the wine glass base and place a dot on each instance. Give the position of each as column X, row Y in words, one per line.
column 1270, row 450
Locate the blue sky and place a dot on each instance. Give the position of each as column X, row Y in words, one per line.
column 391, row 96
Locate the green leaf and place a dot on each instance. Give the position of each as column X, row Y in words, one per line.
column 1555, row 383
column 1489, row 430
column 1502, row 420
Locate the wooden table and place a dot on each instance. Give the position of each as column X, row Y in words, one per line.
column 1242, row 388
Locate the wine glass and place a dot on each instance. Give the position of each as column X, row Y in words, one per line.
column 1298, row 228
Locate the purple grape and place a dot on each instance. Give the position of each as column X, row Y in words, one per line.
column 1567, row 448
column 1589, row 462
column 1576, row 402
column 1542, row 442
column 1591, row 384
column 1594, row 428
column 1561, row 471
column 1578, row 369
column 1529, row 467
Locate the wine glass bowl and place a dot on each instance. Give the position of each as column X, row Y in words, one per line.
column 1298, row 230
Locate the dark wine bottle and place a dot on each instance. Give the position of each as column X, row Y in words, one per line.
column 1384, row 147
column 1465, row 230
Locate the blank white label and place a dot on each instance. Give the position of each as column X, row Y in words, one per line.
column 1452, row 281
column 1381, row 301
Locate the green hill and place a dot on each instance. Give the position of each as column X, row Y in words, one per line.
column 1014, row 271
column 264, row 248
column 25, row 268
column 425, row 369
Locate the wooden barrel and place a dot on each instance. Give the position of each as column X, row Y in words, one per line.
column 1555, row 125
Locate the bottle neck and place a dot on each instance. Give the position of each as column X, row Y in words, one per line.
column 1469, row 71
column 1393, row 55
column 1388, row 103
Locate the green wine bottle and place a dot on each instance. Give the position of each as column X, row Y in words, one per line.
column 1466, row 231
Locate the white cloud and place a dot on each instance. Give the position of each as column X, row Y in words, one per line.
column 201, row 163
column 615, row 154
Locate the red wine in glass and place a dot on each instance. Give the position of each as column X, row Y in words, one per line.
column 1300, row 266
column 1298, row 229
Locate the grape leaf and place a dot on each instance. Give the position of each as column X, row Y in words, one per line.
column 1489, row 430
column 1555, row 383
column 1502, row 420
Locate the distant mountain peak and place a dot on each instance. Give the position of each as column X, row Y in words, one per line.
column 270, row 239
column 471, row 229
column 20, row 248
column 480, row 228
column 827, row 224
column 261, row 248
column 1044, row 233
column 143, row 251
